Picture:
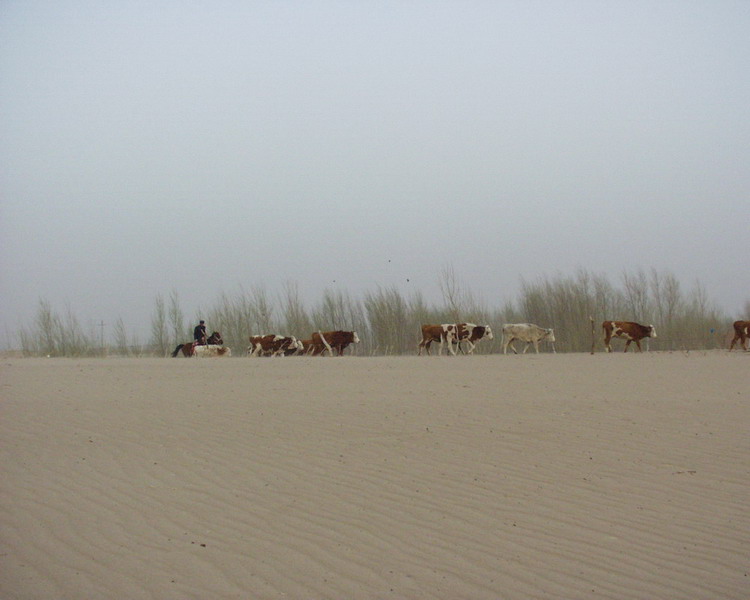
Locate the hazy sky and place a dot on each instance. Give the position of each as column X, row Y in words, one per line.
column 206, row 147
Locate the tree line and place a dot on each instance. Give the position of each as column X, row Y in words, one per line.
column 388, row 321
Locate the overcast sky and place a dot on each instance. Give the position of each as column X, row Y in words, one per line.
column 206, row 147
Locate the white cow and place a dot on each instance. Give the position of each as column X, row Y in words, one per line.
column 526, row 332
column 211, row 350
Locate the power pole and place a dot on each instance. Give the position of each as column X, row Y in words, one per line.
column 101, row 337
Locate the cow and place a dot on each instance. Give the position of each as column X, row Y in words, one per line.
column 436, row 333
column 211, row 350
column 741, row 334
column 453, row 333
column 329, row 341
column 272, row 345
column 308, row 347
column 471, row 334
column 632, row 332
column 526, row 332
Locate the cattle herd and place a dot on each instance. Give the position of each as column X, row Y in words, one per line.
column 450, row 335
column 318, row 344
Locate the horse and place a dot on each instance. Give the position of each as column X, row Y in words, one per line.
column 190, row 348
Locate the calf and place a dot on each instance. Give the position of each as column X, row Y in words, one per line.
column 632, row 332
column 526, row 332
column 741, row 334
column 330, row 340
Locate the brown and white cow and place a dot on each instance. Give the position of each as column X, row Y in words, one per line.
column 272, row 345
column 628, row 330
column 453, row 333
column 741, row 334
column 328, row 341
column 435, row 333
column 526, row 332
column 471, row 334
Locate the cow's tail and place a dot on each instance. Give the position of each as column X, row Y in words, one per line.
column 177, row 350
column 326, row 344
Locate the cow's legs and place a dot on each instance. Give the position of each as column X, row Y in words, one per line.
column 449, row 340
column 638, row 343
column 741, row 338
column 472, row 346
column 536, row 346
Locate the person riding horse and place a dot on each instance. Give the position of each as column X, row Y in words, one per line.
column 214, row 343
column 199, row 334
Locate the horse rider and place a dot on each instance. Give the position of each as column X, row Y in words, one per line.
column 199, row 334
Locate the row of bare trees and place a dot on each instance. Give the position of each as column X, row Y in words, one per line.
column 388, row 322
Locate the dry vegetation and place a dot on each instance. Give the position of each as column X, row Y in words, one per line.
column 388, row 322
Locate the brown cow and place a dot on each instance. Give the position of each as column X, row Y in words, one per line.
column 632, row 332
column 453, row 333
column 330, row 340
column 272, row 345
column 741, row 334
column 307, row 346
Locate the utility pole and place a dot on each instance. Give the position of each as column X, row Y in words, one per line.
column 101, row 337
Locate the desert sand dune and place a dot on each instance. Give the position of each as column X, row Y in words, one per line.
column 567, row 476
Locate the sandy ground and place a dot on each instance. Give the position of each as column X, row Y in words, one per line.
column 568, row 476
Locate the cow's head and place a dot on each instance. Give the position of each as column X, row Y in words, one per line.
column 550, row 335
column 488, row 332
column 355, row 337
column 651, row 331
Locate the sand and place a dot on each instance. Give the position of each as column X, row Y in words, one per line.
column 551, row 476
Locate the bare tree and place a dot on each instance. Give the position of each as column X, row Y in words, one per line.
column 635, row 288
column 456, row 296
column 159, row 330
column 261, row 310
column 176, row 318
column 296, row 320
column 121, row 338
column 388, row 317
